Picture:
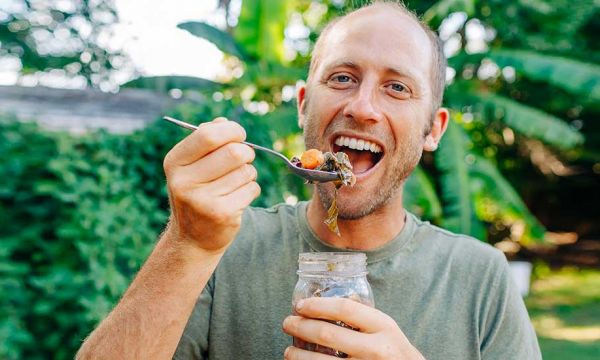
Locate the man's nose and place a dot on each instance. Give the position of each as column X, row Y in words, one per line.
column 362, row 106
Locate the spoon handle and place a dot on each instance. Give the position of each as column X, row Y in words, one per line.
column 258, row 147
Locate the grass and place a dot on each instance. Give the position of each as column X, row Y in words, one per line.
column 564, row 306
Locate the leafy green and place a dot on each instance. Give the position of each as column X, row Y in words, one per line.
column 220, row 38
column 578, row 77
column 451, row 160
column 260, row 29
column 420, row 197
column 530, row 121
column 498, row 190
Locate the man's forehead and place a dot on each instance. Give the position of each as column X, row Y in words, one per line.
column 396, row 35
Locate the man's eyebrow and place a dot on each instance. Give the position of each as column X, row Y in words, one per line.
column 342, row 63
column 389, row 69
column 402, row 72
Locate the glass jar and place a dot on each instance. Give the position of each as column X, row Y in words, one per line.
column 333, row 274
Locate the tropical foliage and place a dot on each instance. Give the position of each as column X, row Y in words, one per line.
column 79, row 214
column 462, row 187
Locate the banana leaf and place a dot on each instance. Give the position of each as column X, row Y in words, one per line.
column 419, row 196
column 577, row 77
column 224, row 41
column 497, row 189
column 451, row 160
column 260, row 29
column 530, row 121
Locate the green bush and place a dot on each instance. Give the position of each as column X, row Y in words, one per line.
column 79, row 214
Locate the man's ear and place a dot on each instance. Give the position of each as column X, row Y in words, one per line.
column 438, row 127
column 301, row 97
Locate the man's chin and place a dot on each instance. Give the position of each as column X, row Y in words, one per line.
column 352, row 206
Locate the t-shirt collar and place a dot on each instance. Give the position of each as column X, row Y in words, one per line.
column 400, row 243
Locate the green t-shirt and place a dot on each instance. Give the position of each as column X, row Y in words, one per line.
column 451, row 295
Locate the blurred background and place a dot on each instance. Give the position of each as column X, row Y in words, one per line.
column 82, row 191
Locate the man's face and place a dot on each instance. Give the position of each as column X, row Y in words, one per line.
column 370, row 97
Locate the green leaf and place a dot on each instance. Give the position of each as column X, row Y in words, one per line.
column 505, row 196
column 166, row 83
column 224, row 41
column 443, row 8
column 260, row 29
column 451, row 160
column 282, row 122
column 531, row 121
column 419, row 196
column 268, row 74
column 578, row 77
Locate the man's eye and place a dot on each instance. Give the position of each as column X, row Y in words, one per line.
column 342, row 78
column 398, row 87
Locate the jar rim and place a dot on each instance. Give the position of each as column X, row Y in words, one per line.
column 332, row 256
column 332, row 263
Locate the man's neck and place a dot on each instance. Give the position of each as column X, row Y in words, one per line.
column 367, row 233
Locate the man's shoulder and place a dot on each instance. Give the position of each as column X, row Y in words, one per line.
column 275, row 210
column 455, row 246
column 273, row 217
column 263, row 225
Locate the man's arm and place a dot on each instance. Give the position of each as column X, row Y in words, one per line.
column 150, row 318
column 210, row 183
column 506, row 330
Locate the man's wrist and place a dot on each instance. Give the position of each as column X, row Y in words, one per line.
column 179, row 246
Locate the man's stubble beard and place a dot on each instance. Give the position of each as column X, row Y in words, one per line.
column 363, row 204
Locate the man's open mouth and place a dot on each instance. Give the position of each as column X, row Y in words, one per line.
column 363, row 154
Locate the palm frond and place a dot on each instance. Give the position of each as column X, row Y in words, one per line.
column 281, row 122
column 442, row 8
column 260, row 29
column 505, row 198
column 269, row 74
column 220, row 38
column 577, row 77
column 530, row 121
column 419, row 196
column 451, row 161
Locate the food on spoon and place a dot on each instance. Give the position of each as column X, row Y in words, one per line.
column 338, row 163
column 330, row 162
column 312, row 158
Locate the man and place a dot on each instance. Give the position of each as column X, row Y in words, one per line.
column 374, row 91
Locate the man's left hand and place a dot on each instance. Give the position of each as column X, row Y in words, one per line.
column 378, row 337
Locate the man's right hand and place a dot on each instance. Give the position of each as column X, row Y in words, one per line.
column 210, row 181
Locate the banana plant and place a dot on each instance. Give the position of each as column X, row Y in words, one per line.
column 462, row 186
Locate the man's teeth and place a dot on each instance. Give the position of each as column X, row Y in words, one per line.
column 357, row 144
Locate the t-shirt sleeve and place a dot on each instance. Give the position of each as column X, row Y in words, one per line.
column 193, row 344
column 505, row 329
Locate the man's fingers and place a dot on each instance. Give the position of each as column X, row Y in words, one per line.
column 355, row 314
column 293, row 353
column 233, row 180
column 218, row 163
column 326, row 334
column 207, row 138
column 244, row 195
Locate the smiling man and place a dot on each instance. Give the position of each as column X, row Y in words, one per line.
column 219, row 283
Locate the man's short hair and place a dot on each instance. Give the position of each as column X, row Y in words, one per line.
column 438, row 64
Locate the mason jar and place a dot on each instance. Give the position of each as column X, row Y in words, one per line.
column 331, row 274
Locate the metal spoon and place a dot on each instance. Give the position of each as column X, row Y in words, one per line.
column 310, row 175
